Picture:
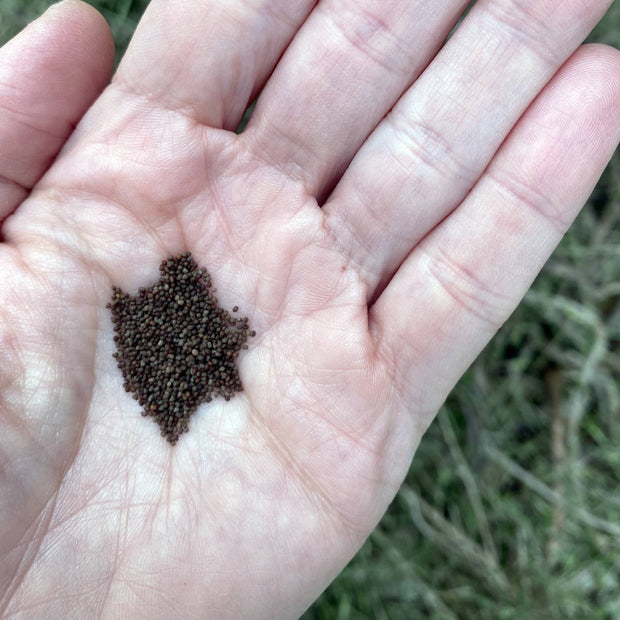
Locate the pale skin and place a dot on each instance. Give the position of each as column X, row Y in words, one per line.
column 382, row 215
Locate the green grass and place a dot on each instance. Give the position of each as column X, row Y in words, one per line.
column 510, row 509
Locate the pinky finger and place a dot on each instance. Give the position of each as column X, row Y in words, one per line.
column 50, row 74
column 464, row 279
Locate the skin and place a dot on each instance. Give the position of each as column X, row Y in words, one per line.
column 383, row 213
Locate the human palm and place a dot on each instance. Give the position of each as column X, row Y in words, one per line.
column 372, row 275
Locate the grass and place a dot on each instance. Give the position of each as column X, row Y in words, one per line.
column 510, row 509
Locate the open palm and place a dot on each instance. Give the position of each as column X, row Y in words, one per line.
column 375, row 254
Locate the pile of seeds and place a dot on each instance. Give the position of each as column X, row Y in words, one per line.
column 176, row 347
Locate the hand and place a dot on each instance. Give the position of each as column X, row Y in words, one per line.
column 436, row 215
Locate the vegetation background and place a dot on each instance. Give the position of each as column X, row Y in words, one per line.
column 511, row 508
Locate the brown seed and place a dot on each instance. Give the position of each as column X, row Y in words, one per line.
column 173, row 338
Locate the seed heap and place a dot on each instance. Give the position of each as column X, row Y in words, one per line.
column 176, row 347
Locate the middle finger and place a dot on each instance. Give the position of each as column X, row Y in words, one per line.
column 347, row 66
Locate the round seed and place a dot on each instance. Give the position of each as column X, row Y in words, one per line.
column 173, row 338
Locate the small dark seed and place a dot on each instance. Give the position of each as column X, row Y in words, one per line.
column 175, row 346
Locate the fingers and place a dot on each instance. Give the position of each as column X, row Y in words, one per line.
column 49, row 75
column 208, row 58
column 465, row 278
column 348, row 65
column 430, row 150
